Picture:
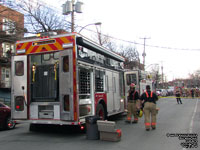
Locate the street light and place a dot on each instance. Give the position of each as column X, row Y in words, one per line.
column 97, row 23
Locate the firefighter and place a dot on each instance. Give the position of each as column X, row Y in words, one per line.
column 133, row 104
column 178, row 95
column 149, row 100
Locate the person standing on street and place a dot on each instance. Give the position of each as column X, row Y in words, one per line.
column 133, row 104
column 178, row 95
column 149, row 99
column 192, row 93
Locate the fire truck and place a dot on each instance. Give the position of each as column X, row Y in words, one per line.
column 140, row 78
column 61, row 79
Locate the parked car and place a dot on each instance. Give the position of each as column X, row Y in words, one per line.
column 158, row 92
column 5, row 117
column 164, row 92
column 170, row 92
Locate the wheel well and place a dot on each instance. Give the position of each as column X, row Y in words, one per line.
column 102, row 102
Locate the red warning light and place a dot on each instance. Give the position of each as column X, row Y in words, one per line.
column 82, row 127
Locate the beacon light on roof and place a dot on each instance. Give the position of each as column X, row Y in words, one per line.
column 67, row 45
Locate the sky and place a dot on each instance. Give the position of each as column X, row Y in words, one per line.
column 167, row 23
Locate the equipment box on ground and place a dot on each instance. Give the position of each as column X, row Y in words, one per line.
column 108, row 132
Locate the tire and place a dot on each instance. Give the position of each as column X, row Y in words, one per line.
column 101, row 112
column 10, row 124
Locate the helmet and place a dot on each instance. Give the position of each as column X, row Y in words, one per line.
column 140, row 113
column 132, row 85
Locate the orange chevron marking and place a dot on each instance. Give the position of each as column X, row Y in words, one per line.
column 30, row 48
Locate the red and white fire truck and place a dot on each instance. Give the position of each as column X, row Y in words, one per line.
column 140, row 78
column 61, row 79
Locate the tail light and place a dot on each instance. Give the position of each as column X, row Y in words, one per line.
column 82, row 127
column 19, row 103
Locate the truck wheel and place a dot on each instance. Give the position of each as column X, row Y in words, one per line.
column 100, row 111
column 10, row 124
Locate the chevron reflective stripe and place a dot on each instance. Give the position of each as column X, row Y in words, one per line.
column 45, row 45
column 148, row 94
column 129, row 118
column 147, row 124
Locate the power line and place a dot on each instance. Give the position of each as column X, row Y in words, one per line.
column 122, row 40
column 142, row 44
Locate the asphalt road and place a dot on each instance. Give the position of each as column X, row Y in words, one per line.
column 173, row 119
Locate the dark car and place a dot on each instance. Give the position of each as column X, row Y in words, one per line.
column 5, row 117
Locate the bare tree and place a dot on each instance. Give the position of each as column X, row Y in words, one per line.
column 131, row 56
column 39, row 18
column 129, row 53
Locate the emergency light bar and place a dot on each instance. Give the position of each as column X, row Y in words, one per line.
column 46, row 34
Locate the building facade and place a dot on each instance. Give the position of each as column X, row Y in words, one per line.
column 11, row 30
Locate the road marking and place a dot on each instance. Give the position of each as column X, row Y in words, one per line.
column 192, row 120
column 160, row 97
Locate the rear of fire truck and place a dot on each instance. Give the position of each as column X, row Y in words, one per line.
column 44, row 87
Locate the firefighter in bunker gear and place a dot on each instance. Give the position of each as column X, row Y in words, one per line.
column 133, row 104
column 149, row 99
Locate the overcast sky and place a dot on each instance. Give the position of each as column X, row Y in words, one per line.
column 168, row 23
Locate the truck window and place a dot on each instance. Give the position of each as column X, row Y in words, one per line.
column 66, row 103
column 99, row 83
column 66, row 64
column 19, row 68
column 131, row 78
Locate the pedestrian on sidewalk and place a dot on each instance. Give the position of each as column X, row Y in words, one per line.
column 178, row 95
column 149, row 99
column 133, row 104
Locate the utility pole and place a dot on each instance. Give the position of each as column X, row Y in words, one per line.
column 72, row 16
column 144, row 54
column 70, row 7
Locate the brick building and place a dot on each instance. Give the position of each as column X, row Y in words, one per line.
column 11, row 30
